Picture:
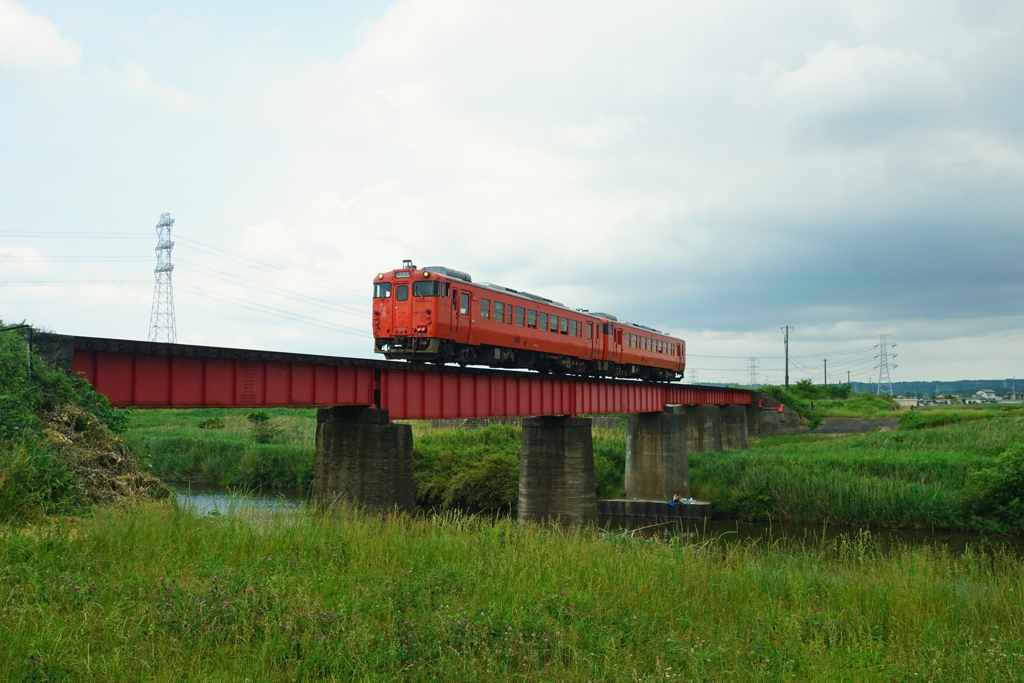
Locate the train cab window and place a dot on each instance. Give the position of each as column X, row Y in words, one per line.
column 382, row 290
column 565, row 326
column 426, row 288
column 543, row 321
column 485, row 309
column 520, row 315
column 531, row 319
column 499, row 312
column 402, row 292
column 554, row 323
column 590, row 330
column 572, row 328
column 464, row 304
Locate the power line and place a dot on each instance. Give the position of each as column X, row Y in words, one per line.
column 70, row 283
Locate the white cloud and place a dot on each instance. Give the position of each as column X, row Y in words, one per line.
column 134, row 79
column 31, row 42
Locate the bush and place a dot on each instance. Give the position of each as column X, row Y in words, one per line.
column 923, row 419
column 999, row 492
column 212, row 423
column 262, row 428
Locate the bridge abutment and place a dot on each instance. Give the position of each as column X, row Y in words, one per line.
column 656, row 462
column 556, row 471
column 363, row 459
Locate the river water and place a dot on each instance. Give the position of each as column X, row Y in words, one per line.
column 207, row 499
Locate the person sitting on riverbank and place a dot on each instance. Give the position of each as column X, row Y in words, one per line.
column 677, row 499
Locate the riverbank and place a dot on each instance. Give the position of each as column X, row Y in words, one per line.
column 915, row 477
column 157, row 592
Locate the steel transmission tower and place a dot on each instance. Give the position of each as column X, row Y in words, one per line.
column 161, row 317
column 884, row 381
column 753, row 370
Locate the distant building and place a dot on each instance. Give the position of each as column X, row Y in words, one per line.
column 907, row 402
column 984, row 396
column 1013, row 397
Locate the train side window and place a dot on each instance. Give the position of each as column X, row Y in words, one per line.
column 531, row 319
column 543, row 321
column 572, row 328
column 565, row 326
column 382, row 290
column 554, row 323
column 499, row 312
column 520, row 315
column 464, row 303
column 590, row 330
column 508, row 317
column 455, row 299
column 402, row 292
column 485, row 309
column 446, row 289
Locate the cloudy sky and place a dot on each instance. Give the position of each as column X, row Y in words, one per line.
column 716, row 170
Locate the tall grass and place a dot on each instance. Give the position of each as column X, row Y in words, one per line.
column 905, row 478
column 160, row 594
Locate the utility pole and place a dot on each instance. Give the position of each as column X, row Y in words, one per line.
column 826, row 372
column 161, row 318
column 787, row 328
column 848, row 379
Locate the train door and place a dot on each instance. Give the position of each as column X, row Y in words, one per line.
column 462, row 317
column 453, row 321
column 617, row 336
column 403, row 309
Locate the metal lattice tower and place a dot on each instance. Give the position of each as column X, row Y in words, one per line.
column 884, row 381
column 753, row 370
column 161, row 317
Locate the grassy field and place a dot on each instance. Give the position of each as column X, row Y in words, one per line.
column 156, row 593
column 923, row 478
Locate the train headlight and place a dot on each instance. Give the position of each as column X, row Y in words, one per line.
column 380, row 276
column 426, row 273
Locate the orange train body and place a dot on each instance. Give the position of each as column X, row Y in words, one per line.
column 439, row 315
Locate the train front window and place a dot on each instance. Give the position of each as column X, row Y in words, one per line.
column 382, row 290
column 464, row 303
column 402, row 292
column 543, row 321
column 499, row 312
column 426, row 288
column 485, row 309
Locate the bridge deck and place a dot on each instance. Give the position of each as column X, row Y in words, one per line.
column 154, row 375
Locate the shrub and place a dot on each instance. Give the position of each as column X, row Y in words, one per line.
column 212, row 423
column 262, row 427
column 1000, row 492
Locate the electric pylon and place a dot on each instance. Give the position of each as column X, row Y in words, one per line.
column 161, row 316
column 753, row 370
column 884, row 381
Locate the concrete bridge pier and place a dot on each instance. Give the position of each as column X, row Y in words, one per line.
column 734, row 427
column 703, row 428
column 363, row 459
column 556, row 471
column 656, row 464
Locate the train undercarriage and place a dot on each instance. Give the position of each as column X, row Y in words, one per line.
column 443, row 351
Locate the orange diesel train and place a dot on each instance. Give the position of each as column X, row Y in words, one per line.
column 440, row 315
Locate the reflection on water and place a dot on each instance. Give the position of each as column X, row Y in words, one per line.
column 211, row 499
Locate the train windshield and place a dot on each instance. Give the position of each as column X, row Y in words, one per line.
column 381, row 290
column 428, row 288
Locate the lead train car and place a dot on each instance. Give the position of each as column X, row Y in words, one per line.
column 440, row 315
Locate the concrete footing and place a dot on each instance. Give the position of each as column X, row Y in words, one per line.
column 656, row 464
column 734, row 427
column 556, row 471
column 654, row 509
column 362, row 459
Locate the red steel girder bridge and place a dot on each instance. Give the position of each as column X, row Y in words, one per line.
column 156, row 375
